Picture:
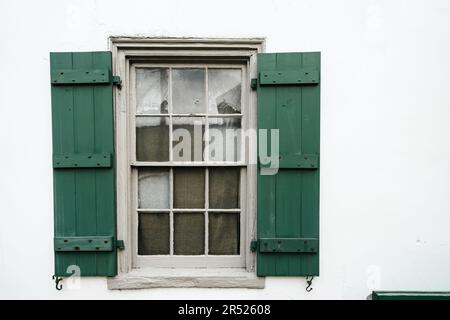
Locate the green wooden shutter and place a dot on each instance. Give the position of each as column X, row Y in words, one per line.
column 288, row 93
column 83, row 163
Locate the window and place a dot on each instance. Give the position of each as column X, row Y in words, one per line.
column 181, row 175
column 187, row 164
column 185, row 203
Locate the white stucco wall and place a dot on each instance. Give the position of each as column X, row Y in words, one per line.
column 385, row 157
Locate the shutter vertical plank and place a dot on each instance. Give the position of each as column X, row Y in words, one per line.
column 288, row 213
column 311, row 144
column 288, row 202
column 63, row 181
column 104, row 141
column 84, row 143
column 266, row 184
column 84, row 196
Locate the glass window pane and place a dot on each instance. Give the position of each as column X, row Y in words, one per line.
column 153, row 233
column 153, row 189
column 224, row 139
column 224, row 233
column 224, row 188
column 152, row 87
column 224, row 86
column 188, row 91
column 188, row 144
column 189, row 233
column 189, row 188
column 152, row 138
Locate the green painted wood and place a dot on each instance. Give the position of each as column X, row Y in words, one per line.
column 302, row 245
column 410, row 295
column 297, row 77
column 84, row 244
column 295, row 161
column 288, row 202
column 84, row 198
column 88, row 160
column 120, row 244
column 81, row 76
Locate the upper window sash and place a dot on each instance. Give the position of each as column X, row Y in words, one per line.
column 229, row 126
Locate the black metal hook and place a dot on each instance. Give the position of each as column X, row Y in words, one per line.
column 309, row 283
column 57, row 279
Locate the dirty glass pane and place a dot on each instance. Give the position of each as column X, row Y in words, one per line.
column 224, row 91
column 153, row 233
column 153, row 189
column 224, row 233
column 188, row 91
column 188, row 144
column 152, row 87
column 225, row 139
column 189, row 233
column 189, row 188
column 152, row 138
column 224, row 188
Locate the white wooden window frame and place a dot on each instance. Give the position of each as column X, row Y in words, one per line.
column 126, row 52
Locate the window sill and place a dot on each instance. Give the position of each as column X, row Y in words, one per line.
column 186, row 278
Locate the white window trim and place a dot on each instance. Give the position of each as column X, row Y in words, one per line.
column 125, row 50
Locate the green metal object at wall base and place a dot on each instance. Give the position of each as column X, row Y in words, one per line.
column 410, row 295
